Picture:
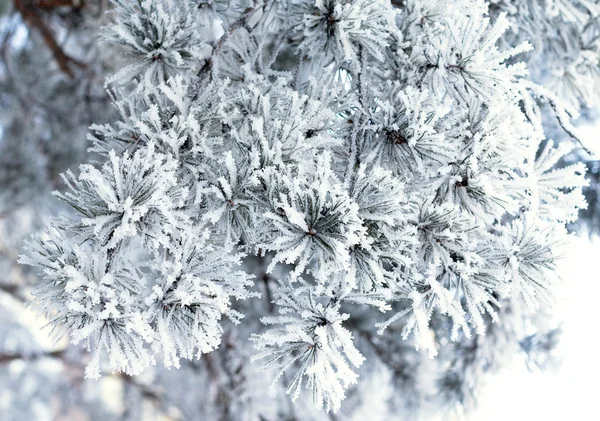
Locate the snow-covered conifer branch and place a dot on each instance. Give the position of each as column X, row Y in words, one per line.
column 384, row 159
column 312, row 334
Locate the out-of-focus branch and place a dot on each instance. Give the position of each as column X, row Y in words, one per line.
column 148, row 391
column 7, row 358
column 14, row 291
column 53, row 4
column 29, row 9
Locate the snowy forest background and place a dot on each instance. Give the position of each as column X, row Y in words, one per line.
column 53, row 71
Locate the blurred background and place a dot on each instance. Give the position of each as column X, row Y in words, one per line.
column 52, row 70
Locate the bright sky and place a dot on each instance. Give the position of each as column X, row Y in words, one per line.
column 572, row 393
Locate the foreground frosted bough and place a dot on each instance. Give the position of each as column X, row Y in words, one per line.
column 391, row 158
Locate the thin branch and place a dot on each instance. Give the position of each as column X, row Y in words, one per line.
column 147, row 391
column 7, row 358
column 14, row 291
column 568, row 128
column 32, row 18
column 53, row 4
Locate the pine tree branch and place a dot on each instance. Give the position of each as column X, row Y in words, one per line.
column 568, row 128
column 241, row 22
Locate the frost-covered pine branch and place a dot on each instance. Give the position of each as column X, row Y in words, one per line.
column 386, row 160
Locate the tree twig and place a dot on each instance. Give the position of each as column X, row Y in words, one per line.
column 29, row 11
column 7, row 358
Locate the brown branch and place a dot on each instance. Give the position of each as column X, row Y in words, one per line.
column 241, row 22
column 567, row 127
column 53, row 4
column 7, row 358
column 32, row 18
column 148, row 391
column 266, row 278
column 14, row 291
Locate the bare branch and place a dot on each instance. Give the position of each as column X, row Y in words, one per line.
column 30, row 14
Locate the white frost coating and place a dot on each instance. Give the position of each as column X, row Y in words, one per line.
column 396, row 164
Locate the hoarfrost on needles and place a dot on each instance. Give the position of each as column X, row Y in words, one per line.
column 380, row 158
